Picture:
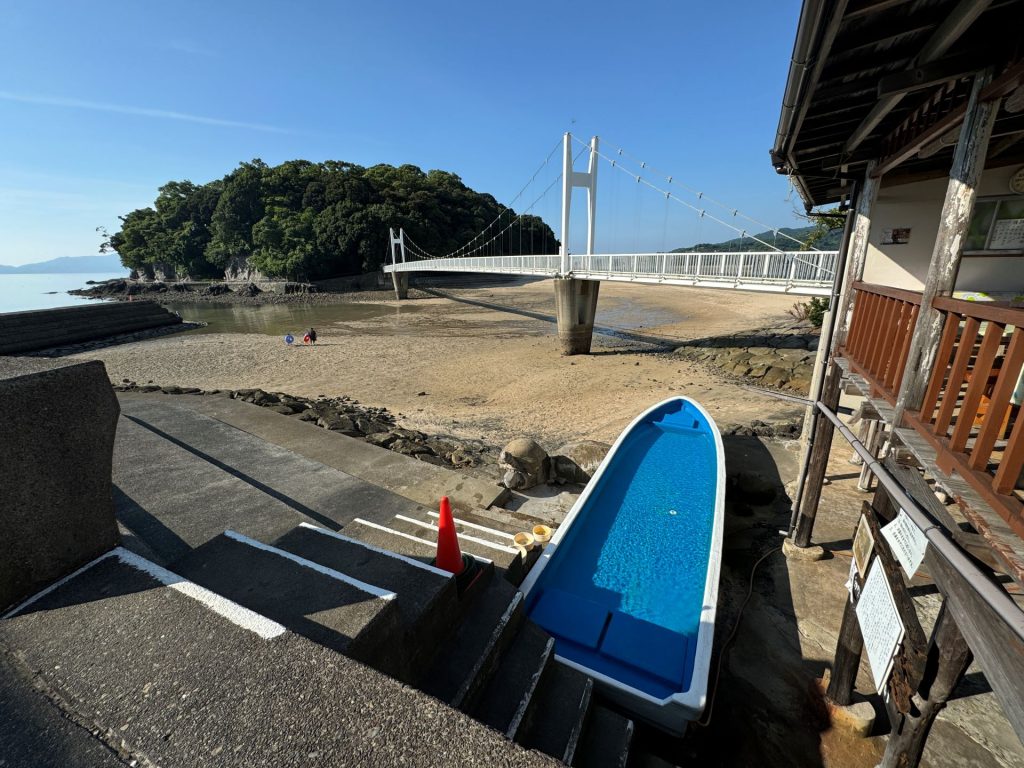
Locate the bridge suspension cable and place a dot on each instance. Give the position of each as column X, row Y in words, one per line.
column 421, row 253
column 466, row 248
column 702, row 212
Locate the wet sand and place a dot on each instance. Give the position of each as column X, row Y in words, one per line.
column 486, row 373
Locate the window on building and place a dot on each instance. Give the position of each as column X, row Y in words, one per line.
column 997, row 226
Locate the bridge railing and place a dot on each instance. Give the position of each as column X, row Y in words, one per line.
column 781, row 268
column 512, row 264
column 792, row 267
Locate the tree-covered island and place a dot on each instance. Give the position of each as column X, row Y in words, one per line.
column 308, row 221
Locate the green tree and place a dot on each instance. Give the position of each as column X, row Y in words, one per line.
column 304, row 220
column 239, row 208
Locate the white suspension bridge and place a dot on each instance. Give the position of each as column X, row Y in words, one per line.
column 577, row 276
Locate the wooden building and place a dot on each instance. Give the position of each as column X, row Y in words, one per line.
column 909, row 116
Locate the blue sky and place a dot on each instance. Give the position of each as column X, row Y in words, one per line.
column 100, row 103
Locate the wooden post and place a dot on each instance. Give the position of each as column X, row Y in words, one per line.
column 847, row 661
column 818, row 462
column 961, row 191
column 850, row 645
column 1000, row 652
column 854, row 250
column 948, row 660
column 857, row 252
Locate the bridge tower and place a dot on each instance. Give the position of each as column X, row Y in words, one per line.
column 576, row 300
column 399, row 279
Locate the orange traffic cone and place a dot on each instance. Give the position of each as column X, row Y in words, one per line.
column 449, row 558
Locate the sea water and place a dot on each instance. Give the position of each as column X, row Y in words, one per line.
column 22, row 292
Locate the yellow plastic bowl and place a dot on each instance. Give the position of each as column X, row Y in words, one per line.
column 541, row 534
column 524, row 540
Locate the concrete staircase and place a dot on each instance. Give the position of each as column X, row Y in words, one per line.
column 268, row 631
column 370, row 592
column 127, row 663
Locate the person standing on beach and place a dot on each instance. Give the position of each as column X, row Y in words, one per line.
column 312, row 335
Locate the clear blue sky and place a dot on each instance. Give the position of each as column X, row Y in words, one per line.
column 100, row 103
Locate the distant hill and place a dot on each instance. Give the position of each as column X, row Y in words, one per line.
column 829, row 243
column 109, row 262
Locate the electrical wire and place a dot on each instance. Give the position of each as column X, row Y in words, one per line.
column 705, row 721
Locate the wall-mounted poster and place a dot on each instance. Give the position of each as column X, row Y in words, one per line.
column 897, row 236
column 1007, row 234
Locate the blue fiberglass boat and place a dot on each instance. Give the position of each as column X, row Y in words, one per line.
column 628, row 585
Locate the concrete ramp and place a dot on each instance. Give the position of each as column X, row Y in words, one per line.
column 182, row 478
column 416, row 480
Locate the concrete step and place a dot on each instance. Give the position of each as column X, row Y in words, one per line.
column 383, row 536
column 472, row 541
column 161, row 671
column 183, row 477
column 478, row 526
column 506, row 700
column 427, row 600
column 416, row 480
column 470, row 655
column 326, row 606
column 560, row 713
column 35, row 733
column 606, row 740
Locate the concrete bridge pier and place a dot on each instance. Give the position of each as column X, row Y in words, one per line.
column 575, row 307
column 401, row 281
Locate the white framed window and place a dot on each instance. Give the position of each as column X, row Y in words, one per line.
column 997, row 226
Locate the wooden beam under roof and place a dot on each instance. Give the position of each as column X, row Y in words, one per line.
column 870, row 7
column 885, row 29
column 1001, row 86
column 930, row 75
column 957, row 22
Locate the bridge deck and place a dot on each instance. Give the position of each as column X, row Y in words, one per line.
column 804, row 273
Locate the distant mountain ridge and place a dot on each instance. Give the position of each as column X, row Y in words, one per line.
column 109, row 262
column 828, row 243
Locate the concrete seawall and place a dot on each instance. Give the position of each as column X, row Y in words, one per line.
column 44, row 328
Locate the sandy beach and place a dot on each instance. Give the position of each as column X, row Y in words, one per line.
column 449, row 365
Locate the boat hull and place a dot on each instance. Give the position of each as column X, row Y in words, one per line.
column 628, row 585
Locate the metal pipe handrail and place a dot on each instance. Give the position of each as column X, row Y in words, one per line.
column 991, row 595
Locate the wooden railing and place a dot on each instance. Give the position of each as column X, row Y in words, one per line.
column 971, row 410
column 879, row 339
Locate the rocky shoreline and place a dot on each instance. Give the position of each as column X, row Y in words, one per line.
column 245, row 294
column 777, row 358
column 520, row 465
column 342, row 414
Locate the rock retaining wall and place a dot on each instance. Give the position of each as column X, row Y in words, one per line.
column 780, row 358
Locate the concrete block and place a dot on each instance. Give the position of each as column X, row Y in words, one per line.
column 857, row 718
column 809, row 553
column 56, row 508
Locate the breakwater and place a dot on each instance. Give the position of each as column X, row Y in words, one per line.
column 46, row 328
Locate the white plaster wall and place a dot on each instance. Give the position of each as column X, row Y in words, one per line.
column 919, row 207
